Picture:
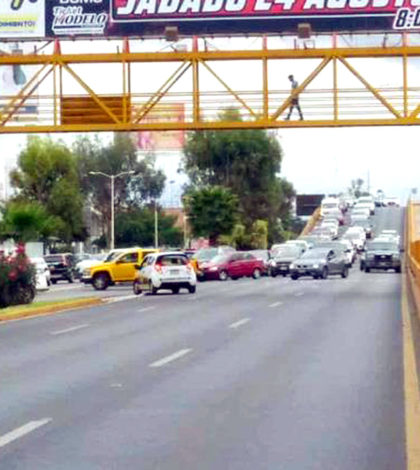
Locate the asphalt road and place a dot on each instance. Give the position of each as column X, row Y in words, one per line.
column 254, row 374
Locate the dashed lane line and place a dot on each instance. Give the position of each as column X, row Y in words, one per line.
column 239, row 323
column 69, row 330
column 146, row 309
column 22, row 431
column 173, row 357
column 275, row 304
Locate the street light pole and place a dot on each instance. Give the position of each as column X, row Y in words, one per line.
column 112, row 178
column 156, row 227
column 112, row 213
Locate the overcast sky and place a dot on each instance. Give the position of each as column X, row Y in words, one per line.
column 315, row 160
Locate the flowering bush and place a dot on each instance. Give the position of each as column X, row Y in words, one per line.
column 17, row 279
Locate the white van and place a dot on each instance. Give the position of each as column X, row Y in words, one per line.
column 329, row 205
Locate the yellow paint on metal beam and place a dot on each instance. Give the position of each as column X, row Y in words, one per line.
column 373, row 90
column 411, row 386
column 260, row 108
column 301, row 87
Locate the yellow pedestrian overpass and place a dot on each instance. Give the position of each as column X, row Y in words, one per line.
column 343, row 81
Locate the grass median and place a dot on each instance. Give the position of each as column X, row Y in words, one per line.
column 44, row 308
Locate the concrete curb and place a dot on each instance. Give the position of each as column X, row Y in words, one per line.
column 49, row 310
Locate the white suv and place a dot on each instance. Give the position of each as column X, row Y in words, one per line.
column 170, row 270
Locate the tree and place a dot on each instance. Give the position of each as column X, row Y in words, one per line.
column 47, row 175
column 356, row 187
column 24, row 222
column 118, row 156
column 212, row 211
column 248, row 163
column 135, row 226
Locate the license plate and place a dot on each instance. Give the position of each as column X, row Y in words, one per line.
column 174, row 272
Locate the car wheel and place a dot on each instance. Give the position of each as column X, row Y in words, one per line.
column 54, row 281
column 294, row 277
column 175, row 290
column 345, row 272
column 362, row 267
column 71, row 278
column 324, row 274
column 315, row 276
column 367, row 270
column 191, row 289
column 256, row 274
column 223, row 275
column 398, row 270
column 273, row 274
column 153, row 289
column 136, row 288
column 100, row 281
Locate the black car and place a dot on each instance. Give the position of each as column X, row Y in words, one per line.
column 62, row 267
column 381, row 254
column 320, row 263
column 282, row 257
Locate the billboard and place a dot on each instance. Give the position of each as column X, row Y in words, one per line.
column 307, row 203
column 22, row 19
column 130, row 18
column 163, row 140
column 27, row 19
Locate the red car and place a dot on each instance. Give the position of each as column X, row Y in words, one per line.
column 233, row 265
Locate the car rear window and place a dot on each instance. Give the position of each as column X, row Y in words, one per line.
column 172, row 260
column 54, row 258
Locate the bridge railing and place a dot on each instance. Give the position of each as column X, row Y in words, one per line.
column 412, row 243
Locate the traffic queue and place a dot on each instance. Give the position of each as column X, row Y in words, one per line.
column 344, row 231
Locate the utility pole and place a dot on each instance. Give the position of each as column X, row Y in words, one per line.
column 156, row 227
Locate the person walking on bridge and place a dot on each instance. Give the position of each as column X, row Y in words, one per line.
column 294, row 102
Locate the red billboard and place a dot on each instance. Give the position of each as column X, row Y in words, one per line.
column 139, row 18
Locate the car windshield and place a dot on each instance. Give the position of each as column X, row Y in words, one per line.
column 315, row 253
column 219, row 259
column 287, row 250
column 329, row 205
column 111, row 256
column 382, row 246
column 206, row 254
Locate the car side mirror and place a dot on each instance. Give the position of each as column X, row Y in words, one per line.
column 402, row 250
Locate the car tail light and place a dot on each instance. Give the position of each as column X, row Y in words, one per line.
column 158, row 268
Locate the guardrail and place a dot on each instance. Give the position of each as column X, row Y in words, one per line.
column 412, row 242
column 312, row 222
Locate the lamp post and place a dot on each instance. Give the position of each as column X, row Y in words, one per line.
column 112, row 178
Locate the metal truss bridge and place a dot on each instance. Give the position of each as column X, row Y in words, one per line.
column 187, row 87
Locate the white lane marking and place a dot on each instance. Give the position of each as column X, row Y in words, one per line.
column 146, row 309
column 60, row 289
column 276, row 304
column 299, row 294
column 122, row 298
column 69, row 330
column 172, row 357
column 239, row 323
column 20, row 432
